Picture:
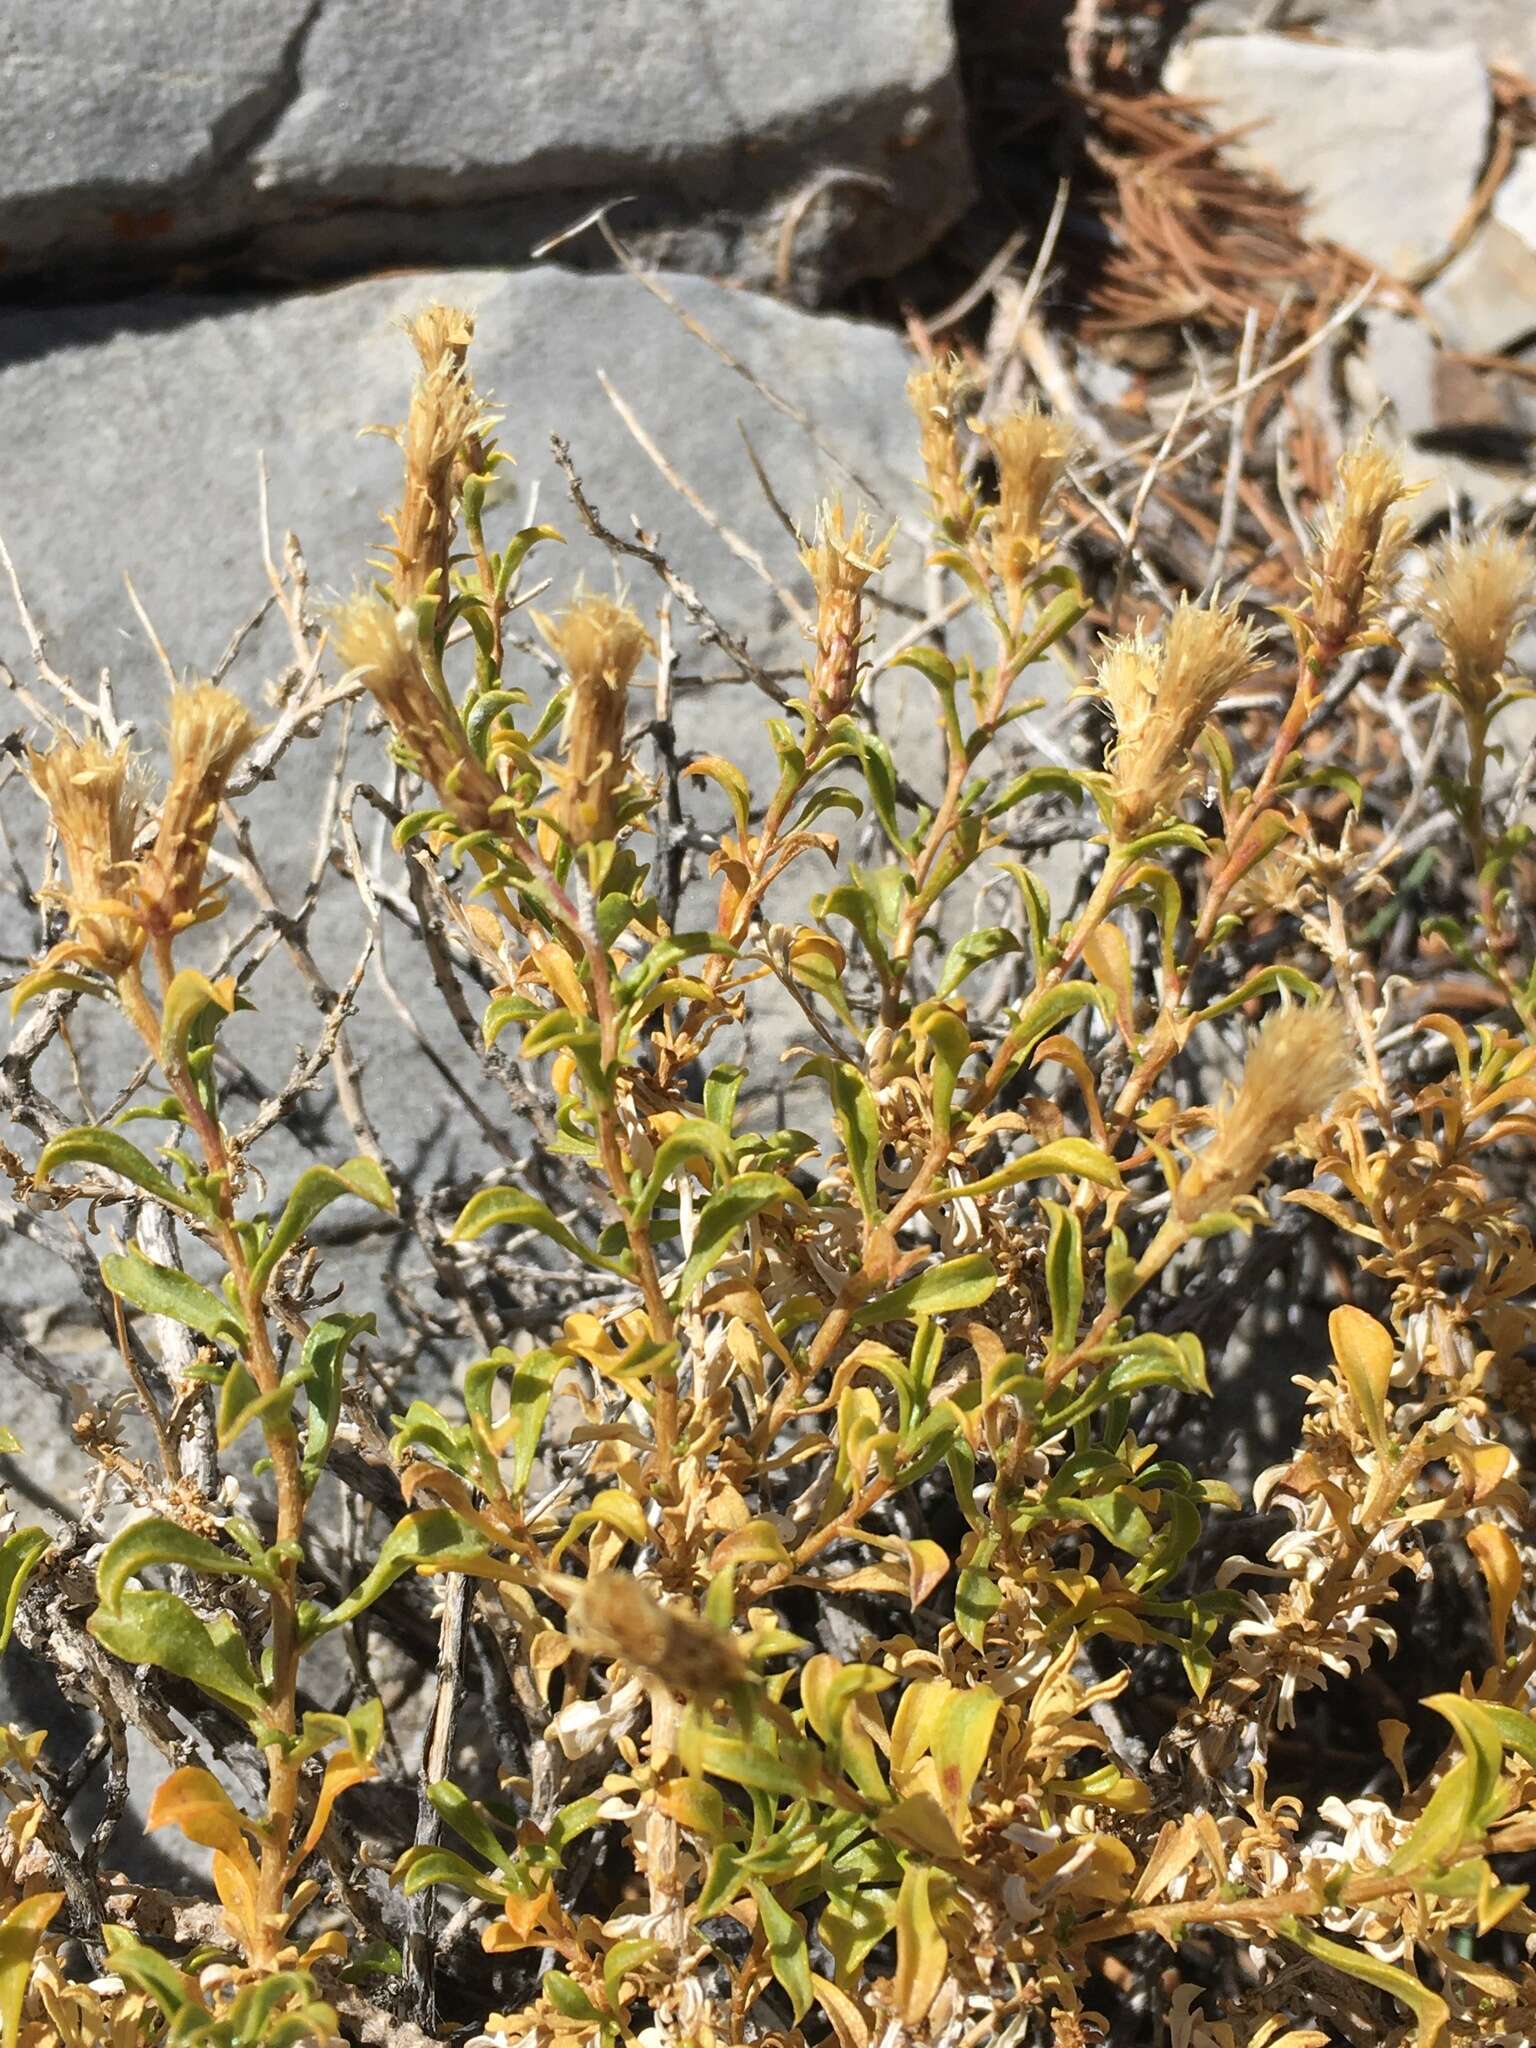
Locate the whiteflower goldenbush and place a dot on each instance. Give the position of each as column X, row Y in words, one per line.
column 817, row 1644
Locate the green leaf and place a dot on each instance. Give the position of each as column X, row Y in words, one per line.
column 973, row 951
column 568, row 1998
column 858, row 1125
column 434, row 1538
column 167, row 1291
column 1072, row 1158
column 151, row 1972
column 1431, row 2013
column 1264, row 983
column 154, row 1540
column 420, row 1867
column 325, row 1356
column 787, row 1951
column 468, row 1820
column 693, row 1138
column 495, row 1208
column 188, row 996
column 1115, row 1515
column 1064, row 1275
column 721, row 1220
column 956, row 1284
column 315, row 1190
column 90, row 1146
column 19, row 1555
column 241, row 1402
column 160, row 1629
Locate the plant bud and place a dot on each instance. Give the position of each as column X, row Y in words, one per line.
column 936, row 395
column 599, row 641
column 1032, row 452
column 840, row 564
column 612, row 1615
column 1476, row 597
column 1162, row 695
column 383, row 643
column 95, row 797
column 210, row 730
column 1298, row 1062
column 1359, row 539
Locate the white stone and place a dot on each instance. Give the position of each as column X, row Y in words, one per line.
column 1385, row 145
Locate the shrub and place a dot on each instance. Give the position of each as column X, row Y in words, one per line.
column 826, row 1647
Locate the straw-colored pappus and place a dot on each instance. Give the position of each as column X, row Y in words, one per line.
column 1477, row 595
column 1162, row 694
column 210, row 731
column 1299, row 1061
column 599, row 642
column 96, row 796
column 840, row 562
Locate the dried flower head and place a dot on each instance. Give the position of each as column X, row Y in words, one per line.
column 612, row 1615
column 1162, row 695
column 1300, row 1059
column 1359, row 539
column 95, row 796
column 383, row 642
column 937, row 394
column 1476, row 596
column 1031, row 450
column 210, row 730
column 445, row 416
column 840, row 564
column 599, row 641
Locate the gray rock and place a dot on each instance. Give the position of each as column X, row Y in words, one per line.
column 308, row 135
column 1501, row 29
column 132, row 437
column 1386, row 144
column 1484, row 300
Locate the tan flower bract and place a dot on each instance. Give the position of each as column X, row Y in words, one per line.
column 1477, row 595
column 96, row 798
column 1298, row 1063
column 210, row 731
column 1162, row 694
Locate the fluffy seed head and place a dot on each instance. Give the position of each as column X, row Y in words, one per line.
column 1476, row 596
column 444, row 423
column 599, row 641
column 1162, row 695
column 1298, row 1062
column 1031, row 450
column 210, row 730
column 375, row 636
column 936, row 394
column 1359, row 539
column 95, row 796
column 612, row 1615
column 840, row 563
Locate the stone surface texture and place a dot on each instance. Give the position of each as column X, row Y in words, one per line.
column 1503, row 30
column 157, row 417
column 300, row 135
column 1386, row 145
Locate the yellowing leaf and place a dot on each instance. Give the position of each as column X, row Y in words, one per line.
column 1499, row 1562
column 20, row 1932
column 922, row 1954
column 1366, row 1354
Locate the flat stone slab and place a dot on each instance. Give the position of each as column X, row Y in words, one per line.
column 1503, row 30
column 300, row 136
column 132, row 435
column 1386, row 145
